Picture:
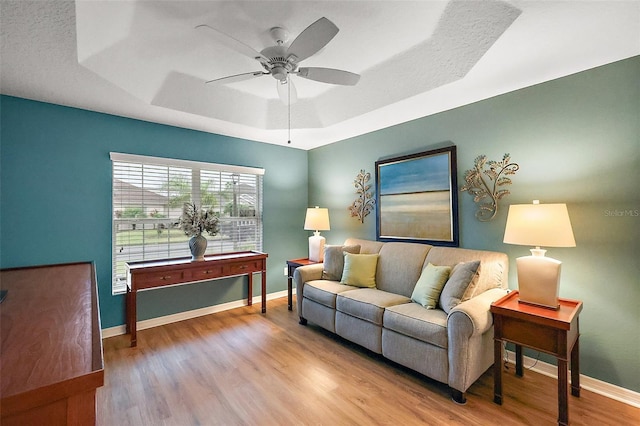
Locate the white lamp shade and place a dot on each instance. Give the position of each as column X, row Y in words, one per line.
column 317, row 219
column 542, row 225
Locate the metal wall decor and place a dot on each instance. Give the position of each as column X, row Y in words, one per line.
column 365, row 203
column 486, row 192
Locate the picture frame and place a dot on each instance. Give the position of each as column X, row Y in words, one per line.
column 417, row 198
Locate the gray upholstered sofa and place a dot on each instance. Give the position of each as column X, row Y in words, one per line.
column 454, row 347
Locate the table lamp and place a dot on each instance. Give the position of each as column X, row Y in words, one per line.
column 317, row 220
column 539, row 225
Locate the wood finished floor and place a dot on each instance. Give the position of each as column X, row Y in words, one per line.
column 241, row 367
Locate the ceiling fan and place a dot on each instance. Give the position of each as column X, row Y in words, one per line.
column 281, row 62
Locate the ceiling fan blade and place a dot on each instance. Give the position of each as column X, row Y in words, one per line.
column 329, row 75
column 232, row 43
column 313, row 38
column 237, row 77
column 283, row 91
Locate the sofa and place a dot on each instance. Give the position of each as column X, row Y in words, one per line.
column 449, row 340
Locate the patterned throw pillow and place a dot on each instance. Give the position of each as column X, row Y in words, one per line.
column 454, row 290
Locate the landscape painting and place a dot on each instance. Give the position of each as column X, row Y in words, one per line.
column 417, row 198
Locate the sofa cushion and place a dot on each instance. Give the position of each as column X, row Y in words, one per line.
column 368, row 303
column 411, row 319
column 359, row 270
column 454, row 290
column 334, row 261
column 429, row 285
column 324, row 291
column 400, row 266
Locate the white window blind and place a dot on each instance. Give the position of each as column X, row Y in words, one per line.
column 148, row 195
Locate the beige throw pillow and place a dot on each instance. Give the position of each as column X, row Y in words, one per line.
column 334, row 260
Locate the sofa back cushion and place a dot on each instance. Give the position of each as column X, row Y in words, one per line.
column 366, row 246
column 494, row 266
column 400, row 266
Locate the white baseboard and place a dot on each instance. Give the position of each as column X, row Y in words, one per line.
column 181, row 316
column 594, row 385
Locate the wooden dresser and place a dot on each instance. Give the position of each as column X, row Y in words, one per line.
column 51, row 352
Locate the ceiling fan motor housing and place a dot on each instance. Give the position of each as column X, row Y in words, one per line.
column 279, row 65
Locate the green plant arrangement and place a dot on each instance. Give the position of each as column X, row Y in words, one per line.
column 194, row 221
column 365, row 203
column 486, row 192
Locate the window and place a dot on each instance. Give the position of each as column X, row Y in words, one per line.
column 148, row 195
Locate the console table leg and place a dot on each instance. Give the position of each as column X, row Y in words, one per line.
column 133, row 318
column 264, row 291
column 250, row 290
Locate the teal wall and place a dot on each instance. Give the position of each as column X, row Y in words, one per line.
column 577, row 141
column 55, row 196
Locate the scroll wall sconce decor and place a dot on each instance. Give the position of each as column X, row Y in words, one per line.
column 483, row 184
column 365, row 203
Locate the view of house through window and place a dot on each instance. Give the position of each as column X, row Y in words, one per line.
column 148, row 196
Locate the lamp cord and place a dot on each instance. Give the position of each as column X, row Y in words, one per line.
column 505, row 359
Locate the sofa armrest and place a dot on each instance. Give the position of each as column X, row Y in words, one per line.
column 303, row 274
column 470, row 339
column 476, row 310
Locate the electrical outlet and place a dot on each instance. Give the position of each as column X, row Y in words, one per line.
column 285, row 271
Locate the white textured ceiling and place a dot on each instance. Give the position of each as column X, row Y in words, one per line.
column 143, row 59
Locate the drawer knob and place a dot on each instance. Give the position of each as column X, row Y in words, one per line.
column 166, row 277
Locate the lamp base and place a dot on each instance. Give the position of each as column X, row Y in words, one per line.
column 316, row 247
column 539, row 281
column 524, row 302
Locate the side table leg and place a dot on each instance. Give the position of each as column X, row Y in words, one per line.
column 519, row 370
column 575, row 368
column 290, row 292
column 250, row 289
column 563, row 391
column 497, row 371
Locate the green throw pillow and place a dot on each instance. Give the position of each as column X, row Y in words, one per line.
column 429, row 285
column 360, row 270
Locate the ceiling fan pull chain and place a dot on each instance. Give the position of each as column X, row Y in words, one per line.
column 289, row 104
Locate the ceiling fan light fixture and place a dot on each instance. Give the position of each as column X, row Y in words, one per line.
column 280, row 35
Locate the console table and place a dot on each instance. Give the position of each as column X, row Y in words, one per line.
column 147, row 275
column 555, row 332
column 51, row 345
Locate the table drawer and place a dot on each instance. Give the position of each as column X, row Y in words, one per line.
column 244, row 267
column 160, row 278
column 206, row 272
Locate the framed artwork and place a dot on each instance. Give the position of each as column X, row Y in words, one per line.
column 417, row 198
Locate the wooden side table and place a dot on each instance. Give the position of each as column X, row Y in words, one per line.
column 555, row 332
column 292, row 265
